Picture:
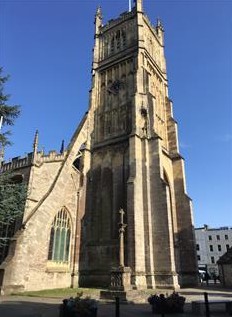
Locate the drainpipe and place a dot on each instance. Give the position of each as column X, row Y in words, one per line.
column 75, row 251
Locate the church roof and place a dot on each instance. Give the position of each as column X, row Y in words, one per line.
column 226, row 258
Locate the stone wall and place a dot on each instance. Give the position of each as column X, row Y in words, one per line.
column 53, row 184
column 130, row 160
column 225, row 274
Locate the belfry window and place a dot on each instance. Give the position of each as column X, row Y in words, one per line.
column 112, row 45
column 118, row 40
column 123, row 39
column 60, row 234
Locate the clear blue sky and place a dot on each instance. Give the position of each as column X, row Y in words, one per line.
column 46, row 47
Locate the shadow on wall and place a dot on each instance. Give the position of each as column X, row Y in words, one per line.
column 106, row 189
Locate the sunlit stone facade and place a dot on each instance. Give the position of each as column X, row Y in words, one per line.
column 124, row 154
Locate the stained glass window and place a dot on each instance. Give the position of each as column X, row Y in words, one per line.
column 60, row 233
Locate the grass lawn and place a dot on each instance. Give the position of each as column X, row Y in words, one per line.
column 62, row 292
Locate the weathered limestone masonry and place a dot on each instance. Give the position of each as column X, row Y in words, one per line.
column 54, row 184
column 135, row 162
column 130, row 160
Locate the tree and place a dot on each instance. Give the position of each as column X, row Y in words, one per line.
column 13, row 195
column 8, row 113
column 13, row 191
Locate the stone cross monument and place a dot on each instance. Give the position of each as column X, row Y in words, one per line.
column 121, row 275
column 122, row 227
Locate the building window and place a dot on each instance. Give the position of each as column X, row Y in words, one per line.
column 60, row 234
column 199, row 258
column 197, row 247
column 227, row 247
column 226, row 236
column 211, row 247
column 118, row 40
column 218, row 237
column 123, row 38
column 146, row 80
column 219, row 247
column 210, row 238
column 212, row 260
column 112, row 45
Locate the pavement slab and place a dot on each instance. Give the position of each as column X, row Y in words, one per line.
column 137, row 306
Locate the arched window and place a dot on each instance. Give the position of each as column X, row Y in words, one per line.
column 112, row 45
column 123, row 38
column 78, row 162
column 118, row 39
column 60, row 234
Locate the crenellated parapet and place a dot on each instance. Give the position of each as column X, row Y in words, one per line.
column 52, row 156
column 17, row 162
column 38, row 159
column 113, row 22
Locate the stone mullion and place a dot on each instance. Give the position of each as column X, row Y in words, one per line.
column 54, row 243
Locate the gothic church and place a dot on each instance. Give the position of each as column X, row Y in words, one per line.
column 124, row 154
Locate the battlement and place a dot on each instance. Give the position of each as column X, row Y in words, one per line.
column 113, row 22
column 39, row 158
column 127, row 15
column 17, row 162
column 52, row 156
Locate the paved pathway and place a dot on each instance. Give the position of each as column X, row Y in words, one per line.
column 21, row 306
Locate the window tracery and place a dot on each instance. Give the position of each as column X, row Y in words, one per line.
column 60, row 234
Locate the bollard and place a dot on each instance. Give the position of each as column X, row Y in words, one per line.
column 117, row 307
column 207, row 312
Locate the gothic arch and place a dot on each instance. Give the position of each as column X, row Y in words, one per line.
column 59, row 248
column 78, row 161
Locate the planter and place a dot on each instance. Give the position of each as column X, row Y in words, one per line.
column 76, row 307
column 167, row 305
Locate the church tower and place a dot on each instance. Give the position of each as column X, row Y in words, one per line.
column 135, row 162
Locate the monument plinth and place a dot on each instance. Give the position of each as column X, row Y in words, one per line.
column 120, row 277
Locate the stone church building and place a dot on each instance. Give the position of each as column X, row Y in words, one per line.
column 124, row 154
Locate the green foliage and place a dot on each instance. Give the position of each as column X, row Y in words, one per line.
column 13, row 196
column 79, row 306
column 161, row 304
column 8, row 112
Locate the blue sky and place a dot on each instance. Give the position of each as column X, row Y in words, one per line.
column 46, row 47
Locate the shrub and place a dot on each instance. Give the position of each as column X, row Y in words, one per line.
column 173, row 303
column 78, row 307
